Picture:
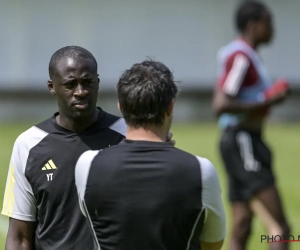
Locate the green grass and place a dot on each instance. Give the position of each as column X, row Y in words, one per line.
column 202, row 139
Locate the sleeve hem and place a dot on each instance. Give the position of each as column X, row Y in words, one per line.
column 20, row 216
column 209, row 240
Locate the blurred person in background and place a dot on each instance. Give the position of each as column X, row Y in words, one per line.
column 145, row 193
column 242, row 100
column 40, row 197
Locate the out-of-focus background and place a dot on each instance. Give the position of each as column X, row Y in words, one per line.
column 185, row 35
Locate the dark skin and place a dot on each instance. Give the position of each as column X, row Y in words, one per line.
column 256, row 33
column 20, row 235
column 75, row 85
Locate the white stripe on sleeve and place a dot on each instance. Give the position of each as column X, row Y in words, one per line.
column 214, row 228
column 19, row 200
column 236, row 75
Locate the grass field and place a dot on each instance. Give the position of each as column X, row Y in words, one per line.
column 201, row 139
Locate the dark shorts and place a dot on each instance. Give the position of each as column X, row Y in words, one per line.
column 248, row 163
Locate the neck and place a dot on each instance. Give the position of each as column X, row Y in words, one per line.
column 157, row 134
column 249, row 39
column 76, row 125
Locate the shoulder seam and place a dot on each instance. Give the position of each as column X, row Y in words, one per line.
column 41, row 130
column 29, row 140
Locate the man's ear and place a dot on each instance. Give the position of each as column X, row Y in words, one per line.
column 170, row 108
column 51, row 87
column 118, row 104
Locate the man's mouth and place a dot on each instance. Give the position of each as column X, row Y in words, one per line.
column 81, row 105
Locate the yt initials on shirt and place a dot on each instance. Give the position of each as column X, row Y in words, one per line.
column 49, row 177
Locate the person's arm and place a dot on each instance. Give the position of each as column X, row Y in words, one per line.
column 238, row 72
column 19, row 203
column 82, row 170
column 224, row 103
column 20, row 235
column 214, row 228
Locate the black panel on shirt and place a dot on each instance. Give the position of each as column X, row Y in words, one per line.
column 60, row 223
column 145, row 195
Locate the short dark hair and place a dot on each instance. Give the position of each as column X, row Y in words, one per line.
column 70, row 52
column 249, row 11
column 145, row 92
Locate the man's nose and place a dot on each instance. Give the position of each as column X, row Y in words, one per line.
column 80, row 91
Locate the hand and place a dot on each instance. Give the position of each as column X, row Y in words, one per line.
column 169, row 139
column 277, row 93
column 278, row 98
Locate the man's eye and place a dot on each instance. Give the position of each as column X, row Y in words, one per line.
column 69, row 84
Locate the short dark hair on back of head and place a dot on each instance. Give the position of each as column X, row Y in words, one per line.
column 69, row 52
column 145, row 92
column 248, row 11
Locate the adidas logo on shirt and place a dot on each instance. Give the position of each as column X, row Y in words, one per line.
column 49, row 165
